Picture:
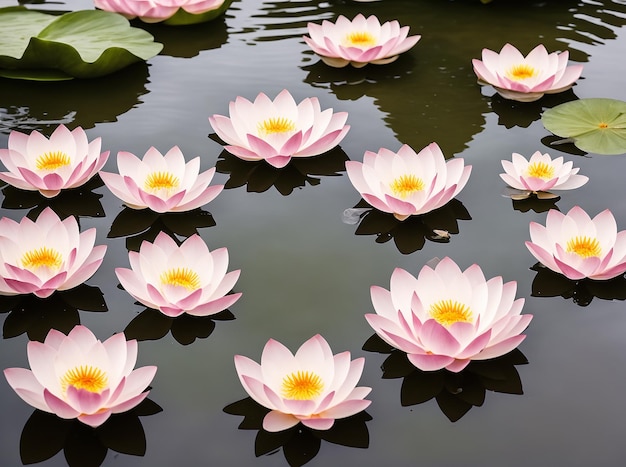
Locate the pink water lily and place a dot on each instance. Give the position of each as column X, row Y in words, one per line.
column 45, row 255
column 77, row 376
column 528, row 78
column 408, row 183
column 153, row 11
column 277, row 130
column 541, row 174
column 359, row 42
column 162, row 183
column 180, row 279
column 577, row 246
column 445, row 318
column 48, row 165
column 313, row 386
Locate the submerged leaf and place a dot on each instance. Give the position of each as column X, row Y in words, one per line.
column 596, row 124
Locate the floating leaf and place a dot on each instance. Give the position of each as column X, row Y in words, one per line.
column 82, row 44
column 596, row 124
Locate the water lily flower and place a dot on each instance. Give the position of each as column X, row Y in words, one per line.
column 313, row 386
column 46, row 255
column 280, row 129
column 526, row 79
column 577, row 246
column 77, row 376
column 405, row 183
column 540, row 175
column 180, row 279
column 446, row 317
column 161, row 183
column 154, row 11
column 65, row 160
column 359, row 42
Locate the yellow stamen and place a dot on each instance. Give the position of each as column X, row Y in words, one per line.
column 448, row 312
column 406, row 185
column 85, row 377
column 161, row 181
column 540, row 170
column 603, row 125
column 42, row 257
column 521, row 72
column 302, row 385
column 276, row 125
column 52, row 160
column 181, row 277
column 360, row 39
column 584, row 247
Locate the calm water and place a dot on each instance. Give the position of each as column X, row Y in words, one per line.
column 304, row 271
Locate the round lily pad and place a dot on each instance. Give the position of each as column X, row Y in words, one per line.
column 595, row 125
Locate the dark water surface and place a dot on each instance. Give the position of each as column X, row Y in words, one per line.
column 304, row 271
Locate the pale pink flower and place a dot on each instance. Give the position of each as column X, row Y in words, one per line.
column 526, row 79
column 359, row 42
column 153, row 11
column 161, row 183
column 65, row 160
column 77, row 376
column 180, row 279
column 405, row 183
column 313, row 386
column 577, row 246
column 540, row 174
column 446, row 317
column 280, row 129
column 46, row 255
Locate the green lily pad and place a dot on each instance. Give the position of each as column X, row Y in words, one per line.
column 81, row 44
column 595, row 125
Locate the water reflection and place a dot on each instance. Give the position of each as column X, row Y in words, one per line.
column 548, row 283
column 411, row 234
column 455, row 393
column 29, row 105
column 36, row 316
column 151, row 324
column 533, row 203
column 44, row 435
column 299, row 444
column 522, row 114
column 260, row 176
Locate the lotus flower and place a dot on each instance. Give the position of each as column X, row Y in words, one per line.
column 180, row 279
column 161, row 183
column 406, row 183
column 280, row 129
column 577, row 246
column 359, row 42
column 154, row 11
column 46, row 255
column 66, row 160
column 447, row 317
column 540, row 175
column 313, row 386
column 526, row 79
column 77, row 376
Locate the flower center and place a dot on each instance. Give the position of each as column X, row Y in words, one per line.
column 359, row 39
column 603, row 125
column 302, row 385
column 181, row 277
column 448, row 312
column 42, row 257
column 276, row 125
column 521, row 72
column 406, row 185
column 161, row 181
column 52, row 160
column 85, row 377
column 584, row 247
column 540, row 170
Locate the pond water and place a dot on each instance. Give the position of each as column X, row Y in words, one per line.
column 305, row 271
